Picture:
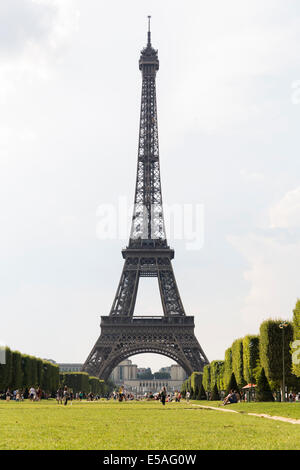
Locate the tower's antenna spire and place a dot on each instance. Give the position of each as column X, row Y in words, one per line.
column 149, row 32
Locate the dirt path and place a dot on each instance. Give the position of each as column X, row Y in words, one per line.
column 276, row 418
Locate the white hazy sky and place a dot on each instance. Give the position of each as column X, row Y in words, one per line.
column 228, row 94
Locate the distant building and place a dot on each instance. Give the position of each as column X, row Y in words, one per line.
column 126, row 374
column 70, row 367
column 142, row 370
column 177, row 373
column 124, row 371
column 165, row 370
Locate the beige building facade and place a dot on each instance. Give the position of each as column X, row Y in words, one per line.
column 124, row 371
column 126, row 374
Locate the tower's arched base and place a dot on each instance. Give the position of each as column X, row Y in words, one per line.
column 122, row 337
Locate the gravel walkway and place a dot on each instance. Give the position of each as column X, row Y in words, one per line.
column 276, row 418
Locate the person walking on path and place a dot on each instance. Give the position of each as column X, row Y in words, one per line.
column 187, row 396
column 66, row 395
column 59, row 396
column 32, row 394
column 163, row 395
column 39, row 393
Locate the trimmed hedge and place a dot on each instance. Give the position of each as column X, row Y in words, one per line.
column 247, row 356
column 232, row 385
column 270, row 348
column 216, row 374
column 263, row 390
column 76, row 381
column 215, row 393
column 97, row 386
column 50, row 377
column 184, row 388
column 81, row 382
column 22, row 371
column 227, row 368
column 202, row 394
column 250, row 357
column 237, row 361
column 206, row 378
column 196, row 382
column 296, row 337
column 6, row 371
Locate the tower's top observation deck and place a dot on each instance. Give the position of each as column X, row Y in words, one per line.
column 149, row 55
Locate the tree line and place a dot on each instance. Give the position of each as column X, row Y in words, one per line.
column 82, row 382
column 255, row 359
column 21, row 371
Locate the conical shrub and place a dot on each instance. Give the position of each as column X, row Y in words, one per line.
column 202, row 394
column 215, row 393
column 232, row 384
column 263, row 389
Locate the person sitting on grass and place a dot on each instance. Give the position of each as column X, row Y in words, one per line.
column 231, row 398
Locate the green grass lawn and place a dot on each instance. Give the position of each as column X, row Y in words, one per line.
column 289, row 410
column 138, row 425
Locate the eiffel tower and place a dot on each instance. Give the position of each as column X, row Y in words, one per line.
column 147, row 255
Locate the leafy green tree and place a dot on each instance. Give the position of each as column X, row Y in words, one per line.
column 76, row 381
column 206, row 378
column 271, row 349
column 109, row 386
column 34, row 370
column 227, row 367
column 22, row 371
column 263, row 390
column 39, row 371
column 189, row 384
column 27, row 371
column 2, row 384
column 250, row 357
column 50, row 378
column 237, row 361
column 196, row 381
column 147, row 375
column 161, row 375
column 202, row 395
column 183, row 388
column 216, row 371
column 6, row 371
column 296, row 340
column 196, row 393
column 222, row 384
column 17, row 374
column 97, row 386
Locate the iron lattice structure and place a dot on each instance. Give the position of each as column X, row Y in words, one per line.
column 147, row 255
